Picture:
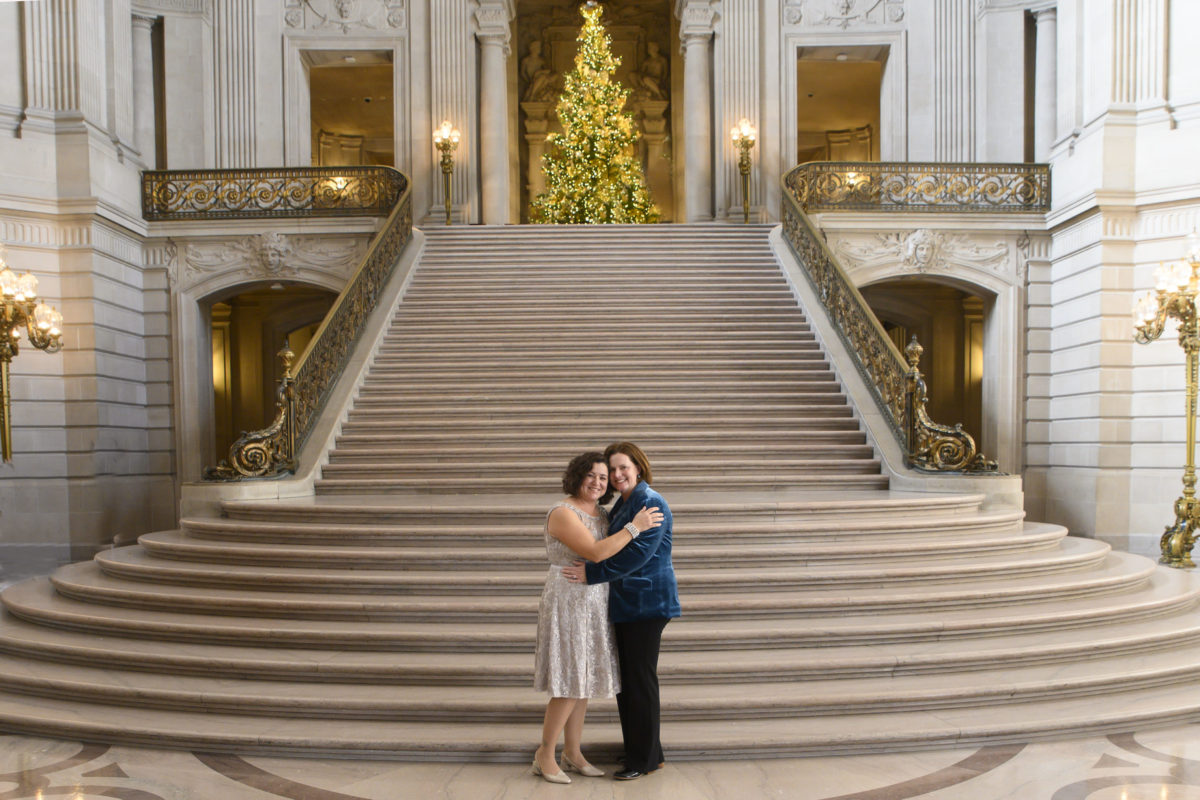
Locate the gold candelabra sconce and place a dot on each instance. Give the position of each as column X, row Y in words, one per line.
column 1174, row 297
column 744, row 136
column 446, row 137
column 20, row 308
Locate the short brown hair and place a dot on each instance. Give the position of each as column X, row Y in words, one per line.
column 579, row 468
column 635, row 455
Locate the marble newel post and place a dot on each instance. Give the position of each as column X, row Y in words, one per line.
column 695, row 34
column 1045, row 112
column 143, row 89
column 494, row 35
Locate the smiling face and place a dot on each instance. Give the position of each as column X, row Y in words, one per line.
column 595, row 483
column 623, row 473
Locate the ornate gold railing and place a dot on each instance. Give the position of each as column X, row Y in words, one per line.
column 282, row 192
column 915, row 186
column 897, row 384
column 297, row 191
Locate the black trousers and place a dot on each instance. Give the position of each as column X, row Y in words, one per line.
column 637, row 702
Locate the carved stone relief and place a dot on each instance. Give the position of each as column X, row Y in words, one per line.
column 270, row 256
column 843, row 14
column 346, row 15
column 925, row 251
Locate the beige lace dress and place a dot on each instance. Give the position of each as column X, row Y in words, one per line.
column 575, row 653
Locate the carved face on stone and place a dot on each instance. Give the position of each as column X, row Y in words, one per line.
column 273, row 251
column 345, row 8
column 920, row 249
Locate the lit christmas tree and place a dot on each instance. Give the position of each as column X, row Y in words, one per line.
column 591, row 173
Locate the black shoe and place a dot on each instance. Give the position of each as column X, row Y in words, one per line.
column 628, row 774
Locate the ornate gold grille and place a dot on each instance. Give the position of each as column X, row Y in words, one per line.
column 283, row 192
column 897, row 384
column 296, row 192
column 916, row 186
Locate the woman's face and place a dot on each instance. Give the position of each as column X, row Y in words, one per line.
column 595, row 483
column 624, row 473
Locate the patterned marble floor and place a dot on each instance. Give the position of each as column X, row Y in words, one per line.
column 1154, row 765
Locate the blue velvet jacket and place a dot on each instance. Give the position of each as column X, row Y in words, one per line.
column 641, row 577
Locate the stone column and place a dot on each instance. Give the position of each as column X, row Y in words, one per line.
column 1045, row 92
column 494, row 35
column 695, row 34
column 143, row 89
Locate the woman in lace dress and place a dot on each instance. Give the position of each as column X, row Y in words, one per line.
column 575, row 657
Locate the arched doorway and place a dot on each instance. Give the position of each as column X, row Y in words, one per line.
column 949, row 321
column 249, row 325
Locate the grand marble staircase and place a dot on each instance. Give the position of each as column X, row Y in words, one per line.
column 392, row 614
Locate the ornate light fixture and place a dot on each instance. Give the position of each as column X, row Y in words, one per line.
column 744, row 136
column 446, row 138
column 43, row 327
column 1177, row 288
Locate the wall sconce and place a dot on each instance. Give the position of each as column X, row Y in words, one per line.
column 744, row 136
column 1175, row 295
column 446, row 138
column 43, row 327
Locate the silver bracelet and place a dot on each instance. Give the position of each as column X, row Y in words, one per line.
column 633, row 530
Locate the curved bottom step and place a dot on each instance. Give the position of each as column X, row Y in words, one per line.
column 514, row 742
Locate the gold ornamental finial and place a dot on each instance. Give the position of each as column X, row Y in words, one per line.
column 913, row 352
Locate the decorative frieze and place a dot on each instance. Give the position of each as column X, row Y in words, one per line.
column 924, row 251
column 267, row 256
column 843, row 14
column 346, row 16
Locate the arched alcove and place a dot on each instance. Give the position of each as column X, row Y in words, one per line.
column 248, row 326
column 949, row 322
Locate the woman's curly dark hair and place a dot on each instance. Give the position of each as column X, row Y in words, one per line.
column 579, row 468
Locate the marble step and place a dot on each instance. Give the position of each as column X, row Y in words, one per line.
column 848, row 511
column 692, row 549
column 359, row 485
column 502, row 597
column 552, row 409
column 374, row 393
column 581, row 439
column 1160, row 594
column 677, row 665
column 774, row 571
column 547, row 472
column 1097, row 677
column 683, row 739
column 557, row 458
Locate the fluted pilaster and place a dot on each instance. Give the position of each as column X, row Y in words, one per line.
column 954, row 81
column 739, row 52
column 64, row 69
column 233, row 48
column 696, row 19
column 453, row 98
column 1139, row 51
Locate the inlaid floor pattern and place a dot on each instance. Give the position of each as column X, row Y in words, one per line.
column 393, row 614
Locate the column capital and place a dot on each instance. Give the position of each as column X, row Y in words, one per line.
column 696, row 19
column 1047, row 14
column 143, row 21
column 492, row 20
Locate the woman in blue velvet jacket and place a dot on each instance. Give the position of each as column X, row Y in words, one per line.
column 642, row 598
